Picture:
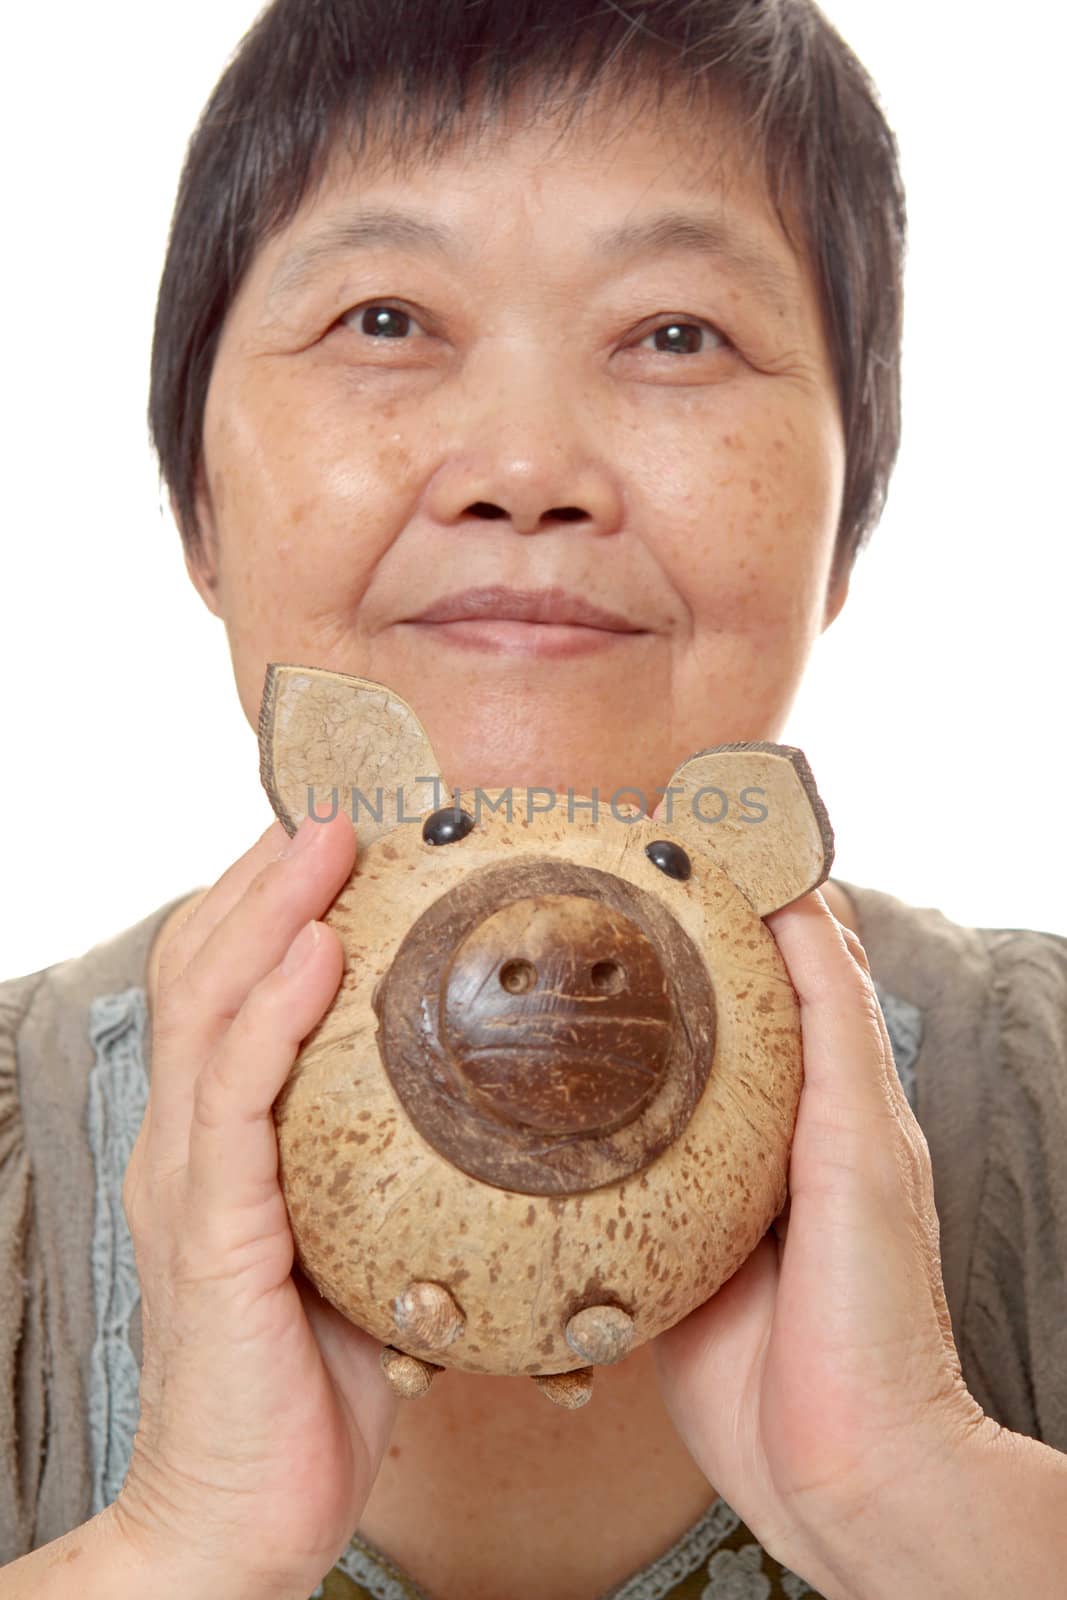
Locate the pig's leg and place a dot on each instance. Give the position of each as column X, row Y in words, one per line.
column 409, row 1376
column 601, row 1335
column 567, row 1389
column 426, row 1313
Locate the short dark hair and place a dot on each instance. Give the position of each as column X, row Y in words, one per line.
column 310, row 73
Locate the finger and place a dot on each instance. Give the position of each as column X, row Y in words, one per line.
column 918, row 1173
column 877, row 1154
column 879, row 1164
column 920, row 1180
column 893, row 1086
column 838, row 1003
column 780, row 1224
column 200, row 1004
column 233, row 1151
column 193, row 929
column 850, row 1151
column 262, row 923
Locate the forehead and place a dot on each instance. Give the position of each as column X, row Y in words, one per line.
column 628, row 177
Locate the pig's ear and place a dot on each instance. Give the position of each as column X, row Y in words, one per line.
column 755, row 810
column 323, row 735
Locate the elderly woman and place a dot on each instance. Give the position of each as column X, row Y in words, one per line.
column 538, row 358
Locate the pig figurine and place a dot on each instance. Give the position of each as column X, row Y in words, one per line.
column 550, row 1109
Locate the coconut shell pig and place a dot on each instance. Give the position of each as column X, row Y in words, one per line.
column 550, row 1109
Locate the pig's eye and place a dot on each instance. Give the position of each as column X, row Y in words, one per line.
column 447, row 825
column 669, row 858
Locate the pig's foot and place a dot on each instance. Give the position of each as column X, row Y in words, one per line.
column 567, row 1389
column 408, row 1376
column 600, row 1334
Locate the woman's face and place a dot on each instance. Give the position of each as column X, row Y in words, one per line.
column 540, row 362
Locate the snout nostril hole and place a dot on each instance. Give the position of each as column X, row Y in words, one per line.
column 607, row 977
column 485, row 508
column 517, row 976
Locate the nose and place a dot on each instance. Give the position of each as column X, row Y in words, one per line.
column 524, row 452
column 547, row 1027
column 557, row 1012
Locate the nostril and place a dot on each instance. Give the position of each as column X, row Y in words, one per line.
column 607, row 977
column 518, row 976
column 492, row 513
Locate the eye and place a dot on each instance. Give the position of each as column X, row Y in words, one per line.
column 669, row 858
column 381, row 321
column 690, row 337
column 447, row 826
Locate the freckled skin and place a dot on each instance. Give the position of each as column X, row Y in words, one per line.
column 342, row 468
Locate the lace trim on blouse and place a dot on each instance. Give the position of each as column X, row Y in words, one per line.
column 118, row 1095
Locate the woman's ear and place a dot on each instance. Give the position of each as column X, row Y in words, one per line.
column 836, row 595
column 201, row 554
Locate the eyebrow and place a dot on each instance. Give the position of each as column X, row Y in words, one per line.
column 699, row 233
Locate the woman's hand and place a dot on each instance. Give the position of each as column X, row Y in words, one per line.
column 263, row 1413
column 822, row 1379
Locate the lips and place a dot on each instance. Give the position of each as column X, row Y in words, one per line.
column 554, row 605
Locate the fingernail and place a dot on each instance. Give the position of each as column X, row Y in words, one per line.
column 302, row 947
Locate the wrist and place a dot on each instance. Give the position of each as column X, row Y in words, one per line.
column 162, row 1566
column 986, row 1520
column 98, row 1561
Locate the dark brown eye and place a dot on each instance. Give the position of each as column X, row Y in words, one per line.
column 679, row 338
column 384, row 322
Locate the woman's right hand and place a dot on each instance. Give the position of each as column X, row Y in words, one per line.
column 264, row 1414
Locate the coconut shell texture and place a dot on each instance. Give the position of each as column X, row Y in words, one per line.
column 379, row 1212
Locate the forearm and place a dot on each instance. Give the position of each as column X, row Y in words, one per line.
column 95, row 1561
column 90, row 1561
column 998, row 1528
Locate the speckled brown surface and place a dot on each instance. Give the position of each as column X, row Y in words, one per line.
column 374, row 1206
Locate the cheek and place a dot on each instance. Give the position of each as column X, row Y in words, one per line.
column 307, row 496
column 748, row 517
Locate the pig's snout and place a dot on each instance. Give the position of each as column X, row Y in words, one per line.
column 556, row 1010
column 546, row 1026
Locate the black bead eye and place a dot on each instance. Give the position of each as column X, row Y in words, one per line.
column 669, row 858
column 446, row 826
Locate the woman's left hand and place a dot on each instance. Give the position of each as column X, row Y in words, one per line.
column 822, row 1381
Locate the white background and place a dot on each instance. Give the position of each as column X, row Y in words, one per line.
column 933, row 710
